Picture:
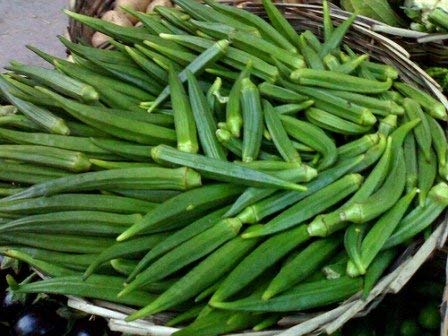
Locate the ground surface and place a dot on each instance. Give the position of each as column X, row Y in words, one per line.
column 35, row 22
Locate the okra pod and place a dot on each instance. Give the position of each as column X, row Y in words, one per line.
column 220, row 170
column 246, row 17
column 120, row 127
column 387, row 125
column 259, row 260
column 253, row 120
column 333, row 123
column 310, row 206
column 101, row 287
column 336, row 37
column 76, row 202
column 61, row 243
column 382, row 261
column 253, row 195
column 132, row 248
column 29, row 174
column 279, row 22
column 124, row 149
column 184, row 120
column 301, row 297
column 279, row 93
column 426, row 174
column 304, row 264
column 77, row 144
column 421, row 217
column 422, row 131
column 133, row 178
column 378, row 106
column 93, row 223
column 205, row 122
column 234, row 118
column 338, row 106
column 202, row 61
column 358, row 146
column 438, row 140
column 380, row 232
column 309, row 54
column 182, row 208
column 39, row 115
column 313, row 137
column 178, row 237
column 202, row 276
column 280, row 201
column 186, row 253
column 151, row 68
column 410, row 158
column 293, row 108
column 57, row 81
column 339, row 81
column 46, row 156
column 431, row 105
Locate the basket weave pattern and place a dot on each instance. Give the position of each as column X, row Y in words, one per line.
column 362, row 38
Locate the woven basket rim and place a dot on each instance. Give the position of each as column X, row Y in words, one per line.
column 330, row 320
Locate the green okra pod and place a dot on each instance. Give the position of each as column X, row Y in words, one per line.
column 252, row 195
column 279, row 201
column 133, row 178
column 202, row 61
column 266, row 30
column 221, row 170
column 382, row 261
column 279, row 93
column 183, row 208
column 438, row 140
column 184, row 120
column 313, row 137
column 304, row 264
column 358, row 146
column 178, row 237
column 431, row 105
column 301, row 297
column 57, row 81
column 422, row 131
column 293, row 108
column 379, row 233
column 259, row 260
column 205, row 122
column 76, row 202
column 101, row 287
column 421, row 217
column 202, row 276
column 333, row 123
column 387, row 125
column 132, row 248
column 426, row 174
column 46, row 156
column 38, row 115
column 186, row 253
column 120, row 127
column 253, row 120
column 339, row 81
column 29, row 174
column 352, row 243
column 149, row 66
column 279, row 22
column 60, row 242
column 234, row 118
column 279, row 136
column 73, row 222
column 309, row 206
column 311, row 56
column 410, row 158
column 334, row 40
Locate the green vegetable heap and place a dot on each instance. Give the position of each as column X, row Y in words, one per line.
column 275, row 172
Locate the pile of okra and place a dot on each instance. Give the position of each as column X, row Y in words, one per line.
column 228, row 168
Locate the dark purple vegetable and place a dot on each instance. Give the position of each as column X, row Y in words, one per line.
column 39, row 321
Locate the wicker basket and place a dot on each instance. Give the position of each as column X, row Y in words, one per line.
column 363, row 38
